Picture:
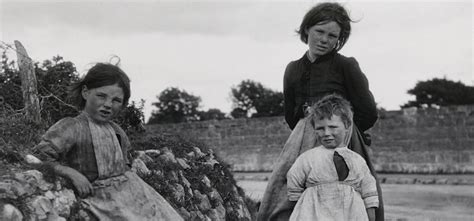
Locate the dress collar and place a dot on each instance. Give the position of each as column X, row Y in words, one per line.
column 325, row 57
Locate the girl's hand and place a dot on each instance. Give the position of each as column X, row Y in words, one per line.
column 81, row 183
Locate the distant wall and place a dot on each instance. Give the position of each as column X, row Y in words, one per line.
column 410, row 140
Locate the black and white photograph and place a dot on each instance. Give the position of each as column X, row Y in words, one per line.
column 236, row 110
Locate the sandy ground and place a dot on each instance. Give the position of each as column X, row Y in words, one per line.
column 409, row 201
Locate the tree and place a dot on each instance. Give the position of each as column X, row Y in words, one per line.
column 54, row 77
column 252, row 98
column 270, row 104
column 211, row 114
column 174, row 106
column 441, row 92
column 238, row 113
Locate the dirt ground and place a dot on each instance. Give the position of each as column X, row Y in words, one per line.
column 409, row 201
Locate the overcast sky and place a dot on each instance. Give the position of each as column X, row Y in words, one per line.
column 206, row 47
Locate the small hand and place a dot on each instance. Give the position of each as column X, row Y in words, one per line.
column 82, row 184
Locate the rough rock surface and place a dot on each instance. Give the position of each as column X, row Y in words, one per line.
column 196, row 184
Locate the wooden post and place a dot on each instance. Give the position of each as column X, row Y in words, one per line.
column 28, row 83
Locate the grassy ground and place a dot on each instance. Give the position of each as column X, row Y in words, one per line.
column 409, row 201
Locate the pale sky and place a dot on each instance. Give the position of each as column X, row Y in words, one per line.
column 206, row 47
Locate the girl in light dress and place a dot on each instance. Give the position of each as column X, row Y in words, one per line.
column 91, row 151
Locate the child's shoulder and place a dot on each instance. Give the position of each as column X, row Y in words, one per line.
column 314, row 151
column 356, row 157
column 66, row 122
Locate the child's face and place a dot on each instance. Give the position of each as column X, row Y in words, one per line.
column 330, row 132
column 322, row 38
column 103, row 103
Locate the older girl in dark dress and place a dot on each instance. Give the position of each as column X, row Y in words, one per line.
column 319, row 72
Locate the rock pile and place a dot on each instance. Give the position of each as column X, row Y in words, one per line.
column 27, row 196
column 191, row 179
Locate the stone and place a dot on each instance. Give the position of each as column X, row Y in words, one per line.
column 240, row 209
column 139, row 167
column 178, row 193
column 63, row 202
column 11, row 213
column 184, row 213
column 217, row 214
column 7, row 190
column 158, row 173
column 40, row 206
column 183, row 179
column 172, row 176
column 53, row 216
column 81, row 215
column 153, row 152
column 167, row 157
column 221, row 213
column 212, row 214
column 50, row 195
column 196, row 216
column 182, row 163
column 215, row 197
column 204, row 204
column 241, row 212
column 191, row 155
column 34, row 179
column 211, row 163
column 205, row 180
column 30, row 159
column 198, row 152
column 144, row 157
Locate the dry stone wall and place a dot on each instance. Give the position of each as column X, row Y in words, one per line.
column 407, row 141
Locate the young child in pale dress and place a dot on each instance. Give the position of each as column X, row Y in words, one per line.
column 332, row 182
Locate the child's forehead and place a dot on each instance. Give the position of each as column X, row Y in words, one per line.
column 332, row 118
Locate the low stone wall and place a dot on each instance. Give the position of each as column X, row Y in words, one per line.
column 407, row 141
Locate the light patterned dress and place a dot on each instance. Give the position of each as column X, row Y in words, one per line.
column 99, row 152
column 314, row 183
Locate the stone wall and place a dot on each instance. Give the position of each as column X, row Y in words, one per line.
column 406, row 141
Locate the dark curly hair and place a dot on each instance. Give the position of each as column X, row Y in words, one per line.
column 323, row 13
column 101, row 74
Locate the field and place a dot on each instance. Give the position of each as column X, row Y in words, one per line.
column 409, row 201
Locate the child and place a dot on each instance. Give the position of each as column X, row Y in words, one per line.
column 332, row 182
column 322, row 70
column 91, row 151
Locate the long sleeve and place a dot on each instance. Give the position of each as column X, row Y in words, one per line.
column 369, row 189
column 56, row 143
column 289, row 97
column 296, row 178
column 362, row 100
